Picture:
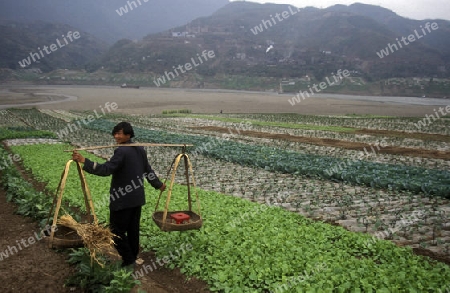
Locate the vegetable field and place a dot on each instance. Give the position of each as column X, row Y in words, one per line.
column 338, row 204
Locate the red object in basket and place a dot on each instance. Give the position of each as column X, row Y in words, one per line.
column 180, row 217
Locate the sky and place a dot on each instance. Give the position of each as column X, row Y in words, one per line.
column 414, row 9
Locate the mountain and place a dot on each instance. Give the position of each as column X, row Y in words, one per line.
column 111, row 20
column 46, row 46
column 283, row 41
column 401, row 26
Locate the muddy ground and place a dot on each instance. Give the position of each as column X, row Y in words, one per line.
column 156, row 100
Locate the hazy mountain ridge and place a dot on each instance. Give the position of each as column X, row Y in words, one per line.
column 24, row 43
column 250, row 39
column 102, row 19
column 401, row 26
column 311, row 40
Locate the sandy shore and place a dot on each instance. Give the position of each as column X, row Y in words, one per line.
column 155, row 100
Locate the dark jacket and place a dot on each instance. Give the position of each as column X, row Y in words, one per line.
column 129, row 168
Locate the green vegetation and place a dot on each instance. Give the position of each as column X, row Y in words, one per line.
column 254, row 122
column 91, row 277
column 247, row 247
column 242, row 82
column 24, row 132
column 31, row 203
column 181, row 111
column 37, row 204
column 33, row 163
column 350, row 122
column 389, row 176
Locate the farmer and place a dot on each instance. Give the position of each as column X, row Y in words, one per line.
column 129, row 168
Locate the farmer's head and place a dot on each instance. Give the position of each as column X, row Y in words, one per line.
column 122, row 132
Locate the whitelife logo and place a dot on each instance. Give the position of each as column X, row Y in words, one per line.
column 9, row 161
column 25, row 242
column 411, row 38
column 206, row 55
column 53, row 47
column 345, row 164
column 435, row 116
column 265, row 24
column 72, row 127
column 322, row 85
column 124, row 9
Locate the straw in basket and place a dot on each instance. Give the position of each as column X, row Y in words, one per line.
column 67, row 233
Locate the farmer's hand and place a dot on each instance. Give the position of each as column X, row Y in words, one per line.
column 77, row 157
column 163, row 187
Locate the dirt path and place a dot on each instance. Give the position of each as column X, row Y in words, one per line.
column 163, row 280
column 30, row 266
column 37, row 268
column 393, row 150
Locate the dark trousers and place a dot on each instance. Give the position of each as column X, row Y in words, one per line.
column 125, row 225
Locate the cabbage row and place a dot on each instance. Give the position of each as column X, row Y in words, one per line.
column 360, row 172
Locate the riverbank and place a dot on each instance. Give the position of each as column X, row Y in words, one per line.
column 353, row 84
column 156, row 100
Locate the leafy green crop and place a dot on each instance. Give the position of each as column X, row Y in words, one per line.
column 377, row 175
column 37, row 205
column 290, row 125
column 31, row 203
column 22, row 132
column 33, row 161
column 91, row 277
column 246, row 247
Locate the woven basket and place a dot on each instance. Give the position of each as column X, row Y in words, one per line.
column 62, row 236
column 195, row 221
column 162, row 218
